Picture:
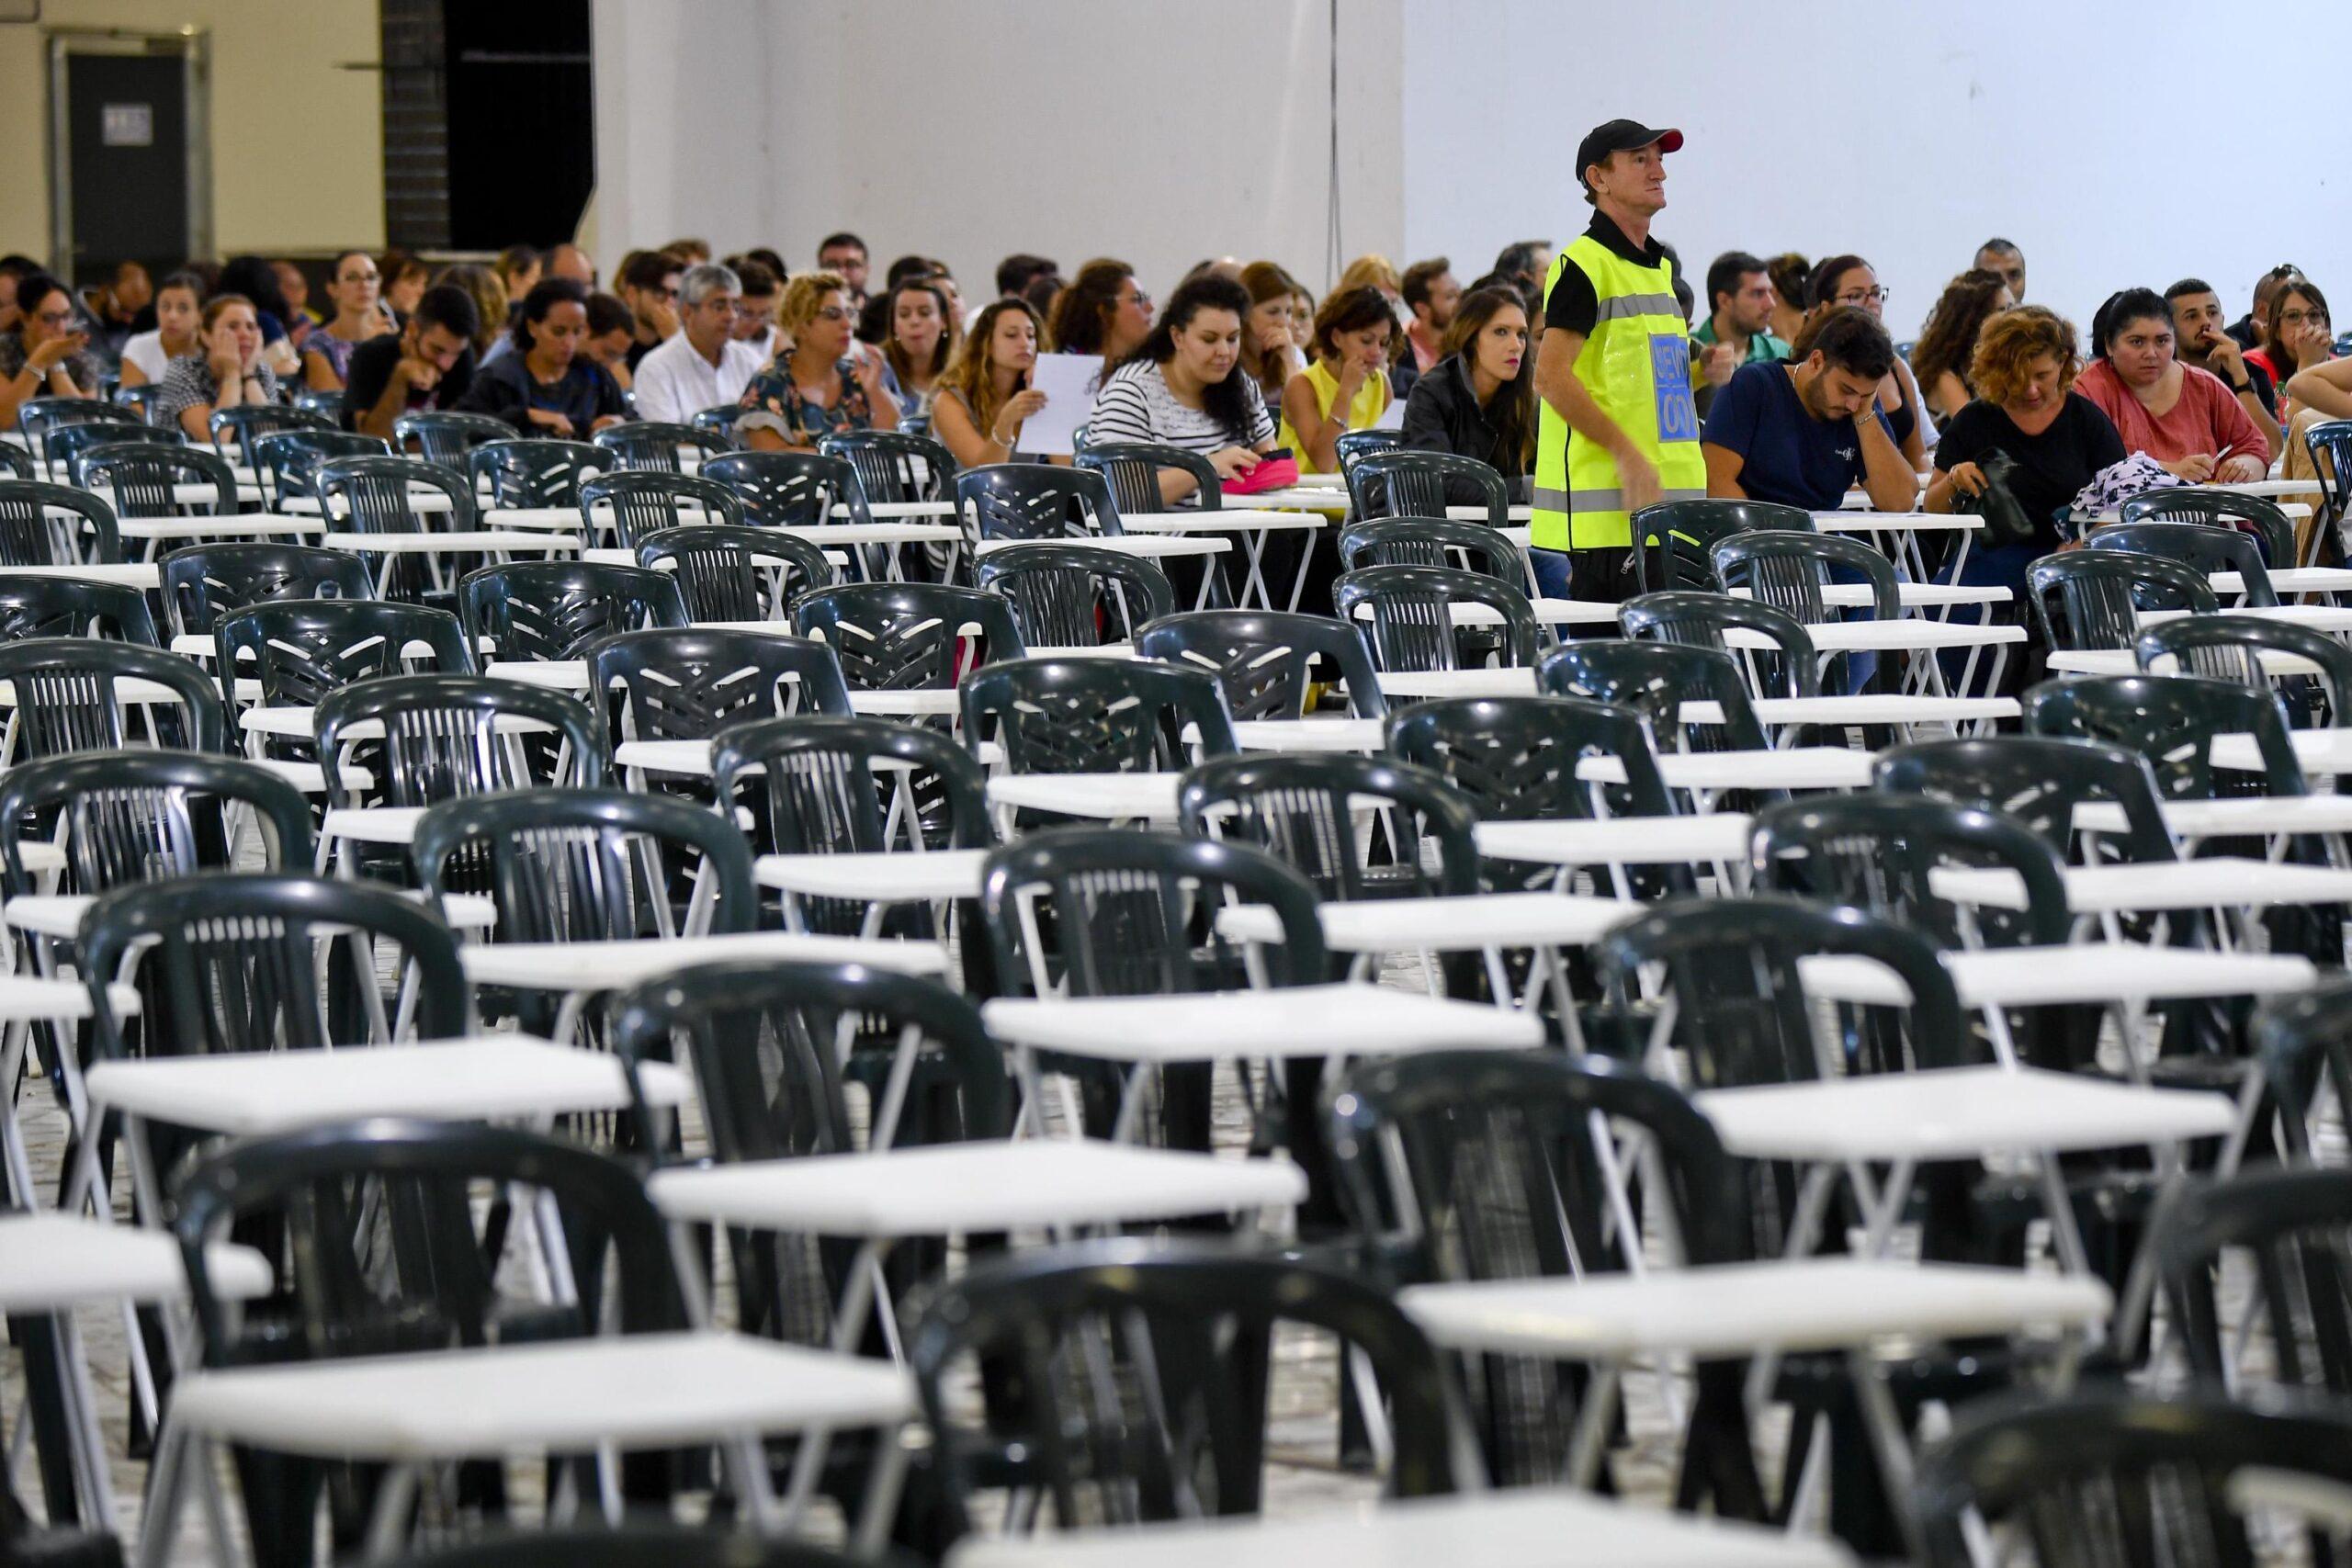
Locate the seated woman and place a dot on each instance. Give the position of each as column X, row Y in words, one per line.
column 1849, row 280
column 2025, row 407
column 1347, row 386
column 49, row 355
column 546, row 387
column 826, row 383
column 326, row 353
column 1479, row 400
column 984, row 394
column 180, row 304
column 1939, row 360
column 227, row 372
column 405, row 280
column 256, row 279
column 2183, row 417
column 919, row 343
column 1270, row 347
column 1182, row 388
column 2296, row 333
column 492, row 310
column 1104, row 311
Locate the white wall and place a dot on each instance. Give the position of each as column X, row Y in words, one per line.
column 1159, row 133
column 1906, row 133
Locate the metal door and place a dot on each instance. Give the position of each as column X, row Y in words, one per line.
column 128, row 170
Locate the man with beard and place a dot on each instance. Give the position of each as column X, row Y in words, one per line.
column 2202, row 340
column 1788, row 431
column 1737, row 330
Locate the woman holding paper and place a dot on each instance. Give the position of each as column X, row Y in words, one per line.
column 827, row 383
column 984, row 394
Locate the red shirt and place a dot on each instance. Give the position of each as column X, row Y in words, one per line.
column 2206, row 418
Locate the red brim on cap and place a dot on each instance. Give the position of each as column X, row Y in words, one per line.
column 1669, row 141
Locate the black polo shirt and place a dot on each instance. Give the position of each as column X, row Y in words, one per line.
column 1572, row 306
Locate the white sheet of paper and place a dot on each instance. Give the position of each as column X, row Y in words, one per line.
column 1392, row 417
column 1069, row 381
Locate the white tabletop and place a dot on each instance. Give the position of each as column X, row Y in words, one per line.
column 2123, row 662
column 1797, row 767
column 1884, row 637
column 2269, row 487
column 128, row 574
column 49, row 1262
column 59, row 915
column 895, row 509
column 1870, row 709
column 881, row 878
column 372, row 824
column 1226, row 519
column 1310, row 734
column 1446, row 924
column 1843, row 521
column 2049, row 976
column 956, row 1189
column 1955, row 1113
column 486, row 1077
column 243, row 525
column 614, row 966
column 1297, row 1020
column 1484, row 680
column 2222, row 883
column 40, row 999
column 482, row 541
column 1518, row 1529
column 2236, row 814
column 1520, row 513
column 1825, row 1303
column 1620, row 840
column 1151, row 547
column 2317, row 618
column 2288, row 580
column 421, row 498
column 1108, row 796
column 2319, row 752
column 637, row 1389
column 1304, row 494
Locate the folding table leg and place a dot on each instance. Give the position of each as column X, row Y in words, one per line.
column 1588, row 1445
column 1885, row 1425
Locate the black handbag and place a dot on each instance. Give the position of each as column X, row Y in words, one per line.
column 2006, row 519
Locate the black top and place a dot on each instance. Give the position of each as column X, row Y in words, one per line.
column 1572, row 305
column 637, row 353
column 1442, row 415
column 2052, row 467
column 507, row 389
column 371, row 372
column 2242, row 330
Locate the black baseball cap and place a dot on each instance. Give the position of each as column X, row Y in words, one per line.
column 1621, row 136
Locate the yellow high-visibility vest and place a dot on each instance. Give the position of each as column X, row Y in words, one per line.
column 1636, row 365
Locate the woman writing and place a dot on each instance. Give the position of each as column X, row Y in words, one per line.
column 1346, row 386
column 2183, row 417
column 826, row 383
column 227, row 372
column 984, row 394
column 326, row 353
column 547, row 386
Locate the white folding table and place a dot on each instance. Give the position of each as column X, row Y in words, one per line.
column 1254, row 525
column 1710, row 773
column 877, row 879
column 142, row 574
column 1310, row 734
column 1111, row 797
column 437, row 549
column 1907, row 527
column 1718, row 838
column 2223, row 881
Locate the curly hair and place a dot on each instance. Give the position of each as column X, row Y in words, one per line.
column 2011, row 341
column 1949, row 338
column 803, row 298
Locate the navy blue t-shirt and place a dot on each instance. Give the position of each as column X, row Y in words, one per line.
column 1788, row 456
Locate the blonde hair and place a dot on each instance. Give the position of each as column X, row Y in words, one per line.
column 1369, row 272
column 803, row 298
column 969, row 374
column 487, row 291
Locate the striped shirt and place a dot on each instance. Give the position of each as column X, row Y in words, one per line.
column 1134, row 404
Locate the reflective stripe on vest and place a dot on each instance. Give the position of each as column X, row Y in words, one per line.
column 1636, row 365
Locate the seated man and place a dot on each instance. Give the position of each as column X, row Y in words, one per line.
column 426, row 365
column 1737, row 329
column 2202, row 340
column 1787, row 431
column 702, row 366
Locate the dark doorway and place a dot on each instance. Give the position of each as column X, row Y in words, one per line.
column 125, row 186
column 522, row 122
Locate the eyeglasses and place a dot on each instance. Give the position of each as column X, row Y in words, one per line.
column 55, row 318
column 833, row 313
column 1138, row 299
column 364, row 277
column 2286, row 318
column 1863, row 297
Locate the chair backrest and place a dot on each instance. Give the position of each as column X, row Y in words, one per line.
column 2108, row 1475
column 39, row 418
column 1132, row 470
column 717, row 425
column 443, row 737
column 1411, row 614
column 1401, row 482
column 646, row 503
column 789, row 489
column 137, row 816
column 2201, row 546
column 1095, row 715
column 1790, row 668
column 2092, row 599
column 1676, row 536
column 1032, row 500
column 2257, row 515
column 2041, row 781
column 735, row 573
column 1168, row 1421
column 382, row 495
column 73, row 607
column 47, row 525
column 1112, row 912
column 203, row 582
column 533, row 471
column 143, row 478
column 1355, row 445
column 1788, row 570
column 2173, row 721
column 18, row 463
column 238, row 428
column 286, row 461
column 894, row 466
column 2293, row 1225
column 2303, row 1041
column 1265, row 659
column 69, row 696
column 2230, row 648
column 65, row 445
column 1655, row 678
column 1431, row 541
column 1353, row 826
column 826, row 785
column 651, row 446
column 689, row 683
column 906, row 635
column 2329, row 444
column 1077, row 596
column 1731, row 970
column 235, row 962
column 589, row 864
column 555, row 609
column 1497, row 1165
column 445, row 437
column 301, row 649
column 1516, row 758
column 1881, row 852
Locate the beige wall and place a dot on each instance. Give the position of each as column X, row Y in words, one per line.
column 297, row 144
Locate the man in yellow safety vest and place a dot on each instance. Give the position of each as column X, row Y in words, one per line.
column 1616, row 428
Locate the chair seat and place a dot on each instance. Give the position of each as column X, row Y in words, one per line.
column 52, row 1261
